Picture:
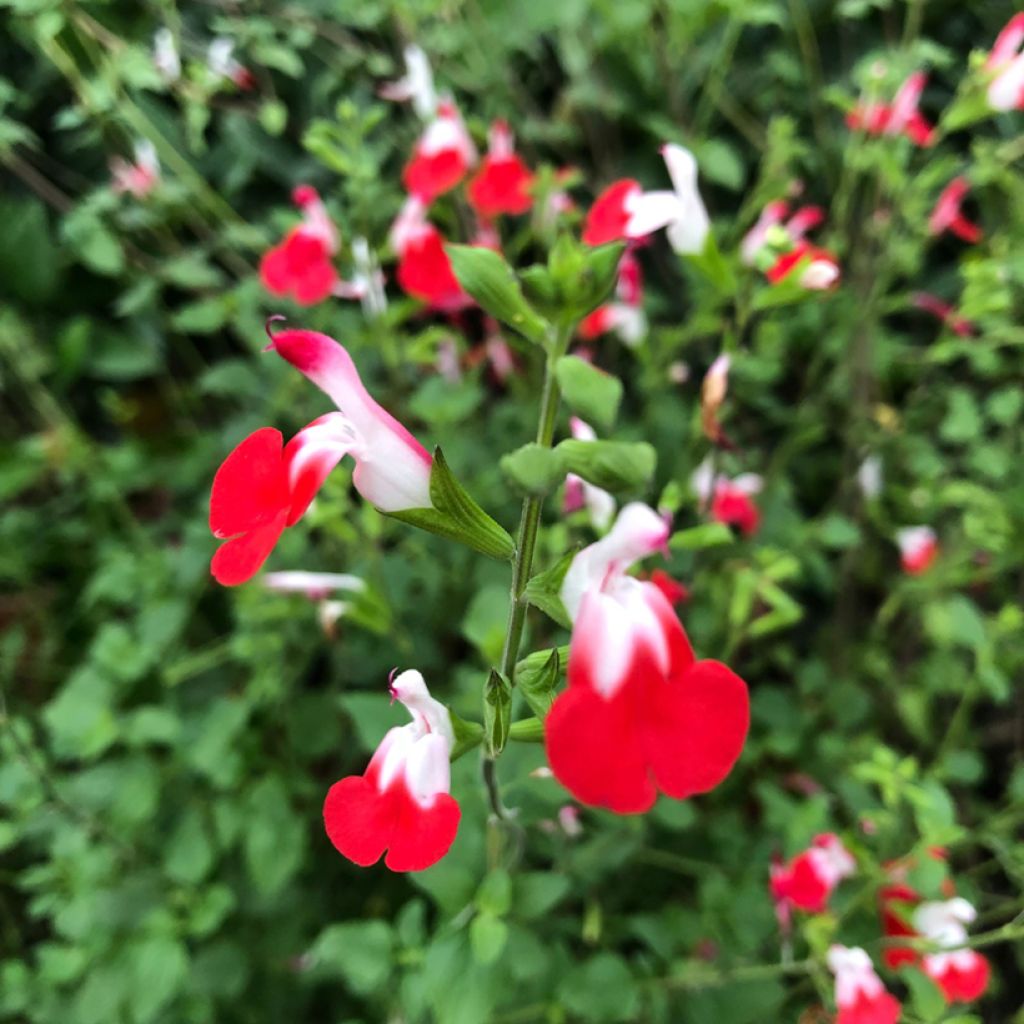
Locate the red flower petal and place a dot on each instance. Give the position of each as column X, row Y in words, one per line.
column 501, row 186
column 301, row 266
column 358, row 820
column 803, row 887
column 964, row 985
column 607, row 218
column 425, row 272
column 430, row 176
column 883, row 1008
column 734, row 508
column 250, row 489
column 240, row 559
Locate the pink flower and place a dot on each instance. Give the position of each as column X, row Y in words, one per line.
column 424, row 270
column 264, row 486
column 919, row 548
column 810, row 878
column 944, row 312
column 948, row 216
column 961, row 973
column 502, row 185
column 442, row 157
column 301, row 265
column 861, row 997
column 139, row 178
column 600, row 505
column 901, row 117
column 401, row 803
column 1006, row 66
column 731, row 500
column 640, row 714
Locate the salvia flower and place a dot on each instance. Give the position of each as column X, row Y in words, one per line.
column 424, row 270
column 948, row 215
column 221, row 60
column 901, row 117
column 776, row 244
column 809, row 879
column 640, row 714
column 945, row 312
column 861, row 998
column 776, row 222
column 961, row 973
column 401, row 803
column 600, row 505
column 730, row 500
column 138, row 178
column 919, row 548
column 416, row 86
column 313, row 585
column 264, row 486
column 301, row 265
column 814, row 268
column 502, row 184
column 166, row 59
column 1005, row 64
column 673, row 590
column 607, row 219
column 442, row 157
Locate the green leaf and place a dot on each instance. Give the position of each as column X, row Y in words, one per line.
column 467, row 735
column 495, row 893
column 714, row 267
column 457, row 516
column 159, row 969
column 486, row 276
column 534, row 469
column 925, row 996
column 29, row 259
column 487, row 938
column 591, row 392
column 275, row 842
column 527, row 730
column 92, row 242
column 537, row 892
column 544, row 590
column 360, row 953
column 537, row 677
column 612, row 465
column 601, row 990
column 696, row 538
column 497, row 712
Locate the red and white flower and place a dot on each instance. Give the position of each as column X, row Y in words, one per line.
column 610, row 214
column 919, row 548
column 777, row 245
column 401, row 803
column 442, row 157
column 901, row 117
column 1005, row 64
column 945, row 312
column 861, row 998
column 166, row 59
column 809, row 879
column 138, row 178
column 502, row 185
column 317, row 587
column 301, row 266
column 948, row 215
column 424, row 270
column 730, row 500
column 220, row 59
column 776, row 225
column 264, row 486
column 673, row 590
column 416, row 86
column 640, row 714
column 625, row 317
column 961, row 973
column 600, row 505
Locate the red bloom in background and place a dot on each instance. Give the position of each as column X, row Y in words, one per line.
column 861, row 997
column 673, row 591
column 731, row 500
column 810, row 878
column 919, row 547
column 901, row 117
column 424, row 270
column 442, row 157
column 401, row 803
column 818, row 268
column 948, row 216
column 1006, row 66
column 945, row 312
column 301, row 265
column 607, row 218
column 502, row 185
column 640, row 714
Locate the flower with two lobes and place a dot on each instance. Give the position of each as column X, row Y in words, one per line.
column 503, row 182
column 424, row 270
column 640, row 714
column 919, row 547
column 301, row 265
column 948, row 216
column 138, row 178
column 776, row 245
column 901, row 117
column 442, row 157
column 861, row 998
column 625, row 211
column 264, row 485
column 401, row 804
column 625, row 316
column 729, row 500
column 809, row 879
column 1005, row 65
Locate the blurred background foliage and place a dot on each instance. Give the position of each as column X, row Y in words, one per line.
column 166, row 744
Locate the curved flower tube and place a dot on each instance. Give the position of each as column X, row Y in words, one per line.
column 640, row 714
column 861, row 997
column 416, row 86
column 401, row 803
column 502, row 185
column 948, row 215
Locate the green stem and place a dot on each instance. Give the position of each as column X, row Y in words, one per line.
column 526, row 542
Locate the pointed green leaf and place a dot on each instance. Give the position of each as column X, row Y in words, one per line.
column 467, row 735
column 613, row 465
column 591, row 392
column 544, row 590
column 538, row 677
column 497, row 712
column 534, row 469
